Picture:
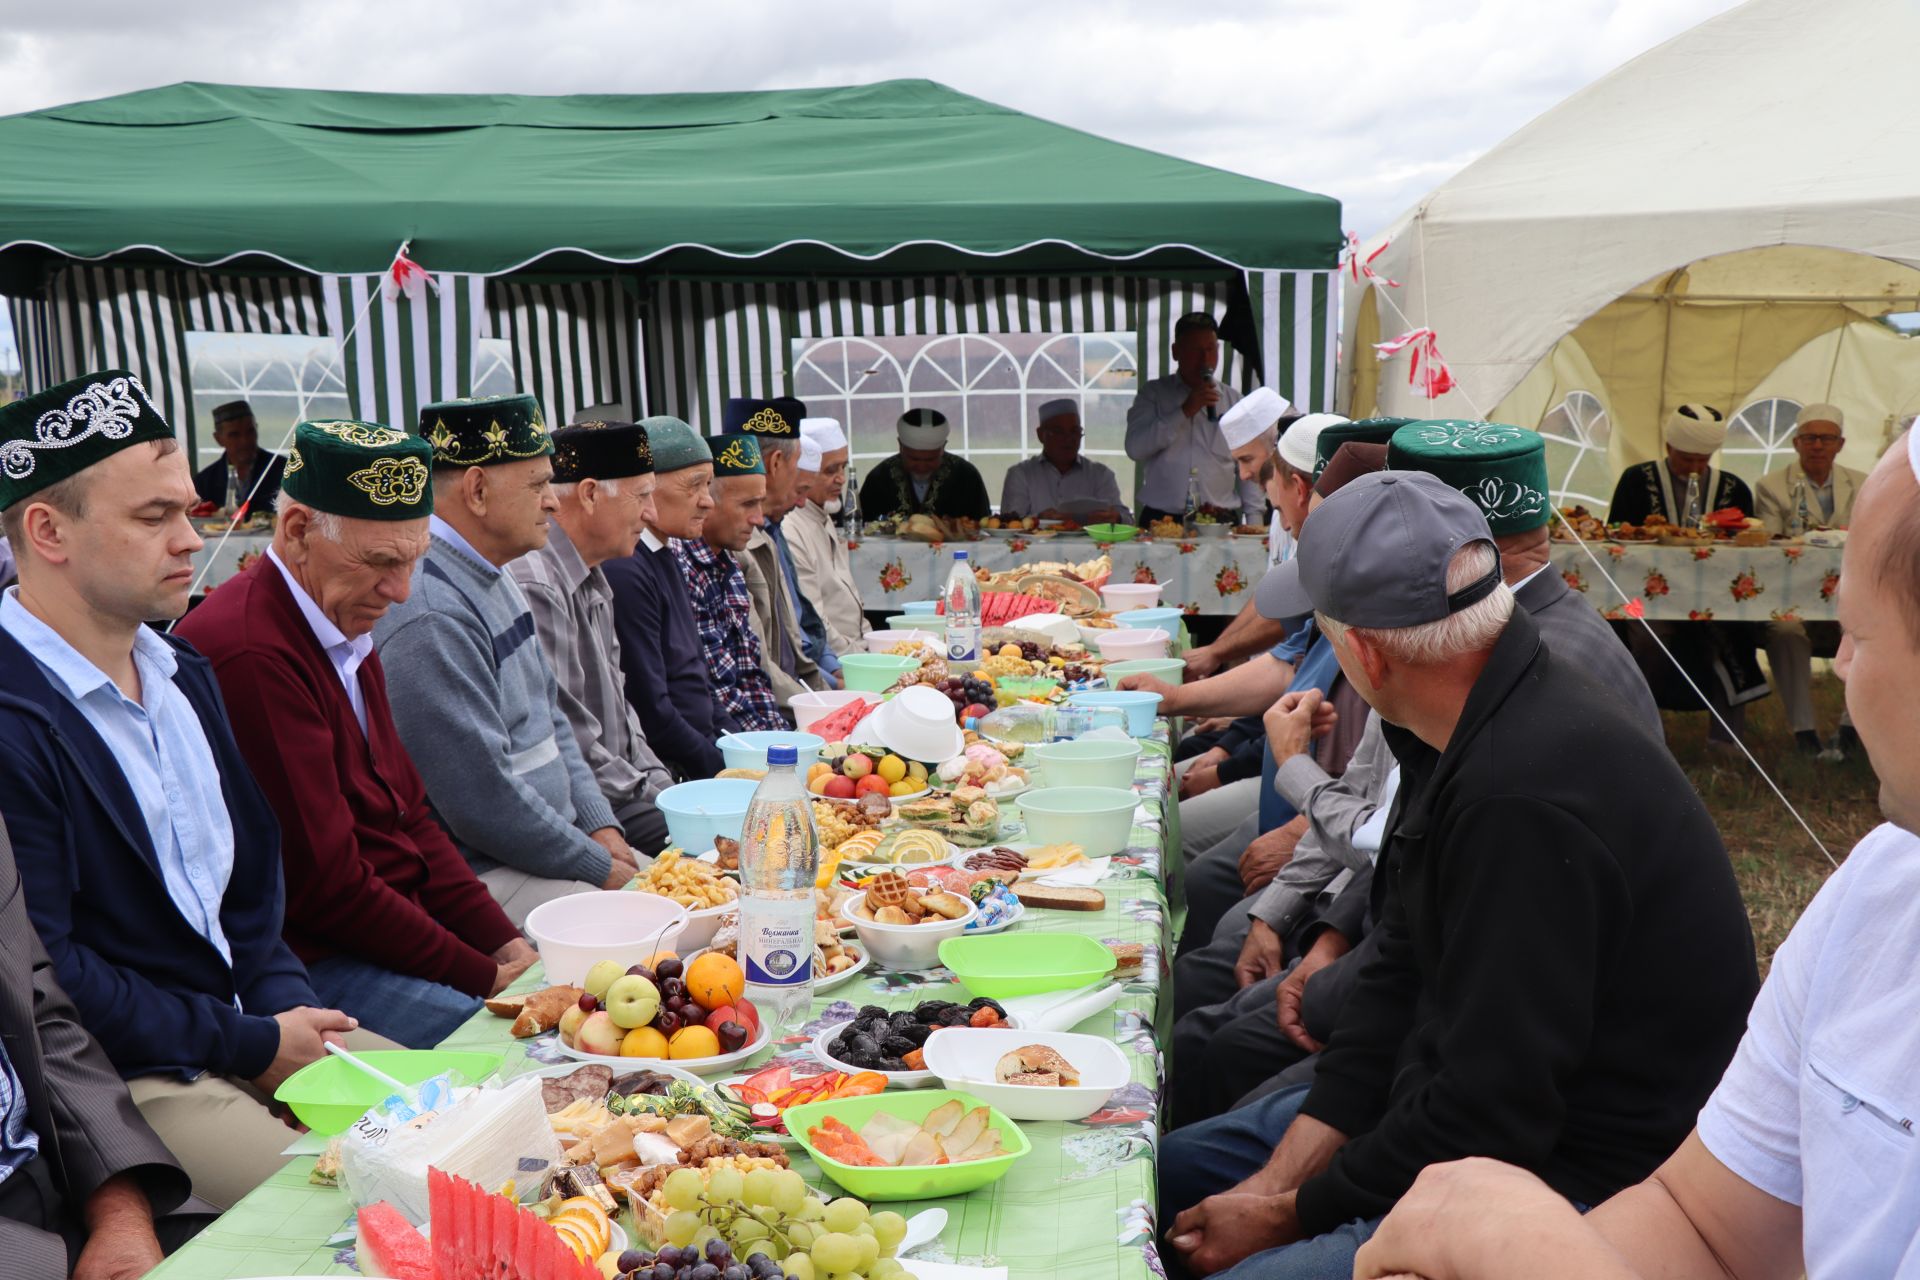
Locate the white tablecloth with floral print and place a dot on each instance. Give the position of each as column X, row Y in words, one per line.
column 1217, row 575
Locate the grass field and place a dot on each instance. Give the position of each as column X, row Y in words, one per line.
column 1778, row 866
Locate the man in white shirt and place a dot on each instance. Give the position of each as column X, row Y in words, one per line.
column 1061, row 484
column 1173, row 430
column 1805, row 1159
column 820, row 558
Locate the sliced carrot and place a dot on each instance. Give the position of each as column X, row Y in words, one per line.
column 862, row 1085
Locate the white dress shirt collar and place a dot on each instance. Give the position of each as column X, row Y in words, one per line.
column 345, row 655
column 447, row 533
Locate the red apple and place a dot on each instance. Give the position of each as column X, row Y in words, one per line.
column 724, row 1013
column 747, row 1016
column 975, row 710
column 840, row 788
column 871, row 784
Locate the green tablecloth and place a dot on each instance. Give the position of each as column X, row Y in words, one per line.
column 1080, row 1204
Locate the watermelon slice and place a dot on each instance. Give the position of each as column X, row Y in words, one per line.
column 386, row 1244
column 479, row 1236
column 837, row 724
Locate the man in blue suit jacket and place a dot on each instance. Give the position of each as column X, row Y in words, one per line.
column 150, row 858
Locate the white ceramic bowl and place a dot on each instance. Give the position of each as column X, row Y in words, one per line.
column 964, row 1059
column 911, row 947
column 811, row 706
column 574, row 932
column 1117, row 596
column 1126, row 643
column 881, row 641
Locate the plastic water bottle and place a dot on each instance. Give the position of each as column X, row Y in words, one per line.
column 850, row 503
column 233, row 487
column 1187, row 517
column 963, row 612
column 1694, row 515
column 779, row 858
column 1802, row 516
column 1025, row 723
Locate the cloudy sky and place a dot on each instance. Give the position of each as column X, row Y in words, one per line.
column 1374, row 103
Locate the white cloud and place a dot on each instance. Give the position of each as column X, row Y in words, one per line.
column 1373, row 103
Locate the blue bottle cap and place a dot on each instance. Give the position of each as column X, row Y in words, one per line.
column 959, row 555
column 782, row 753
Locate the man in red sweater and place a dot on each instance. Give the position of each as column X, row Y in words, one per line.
column 393, row 925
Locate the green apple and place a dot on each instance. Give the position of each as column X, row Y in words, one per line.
column 570, row 1024
column 632, row 1001
column 601, row 977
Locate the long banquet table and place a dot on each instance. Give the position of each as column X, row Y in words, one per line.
column 1081, row 1204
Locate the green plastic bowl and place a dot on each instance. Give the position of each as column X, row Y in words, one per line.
column 1087, row 762
column 1172, row 670
column 1001, row 966
column 934, row 622
column 1110, row 533
column 915, row 1182
column 1098, row 819
column 874, row 672
column 328, row 1095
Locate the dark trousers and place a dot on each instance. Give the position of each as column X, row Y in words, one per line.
column 30, row 1198
column 1213, row 889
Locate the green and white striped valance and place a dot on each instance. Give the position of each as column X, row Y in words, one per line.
column 573, row 342
column 403, row 352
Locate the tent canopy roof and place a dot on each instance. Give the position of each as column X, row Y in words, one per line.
column 905, row 171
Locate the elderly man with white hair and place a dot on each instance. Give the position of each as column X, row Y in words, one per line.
column 820, row 557
column 1062, row 483
column 1813, row 492
column 923, row 478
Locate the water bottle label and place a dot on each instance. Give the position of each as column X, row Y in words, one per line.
column 780, row 954
column 961, row 649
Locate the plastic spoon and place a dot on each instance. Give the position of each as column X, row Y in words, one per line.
column 367, row 1068
column 922, row 1228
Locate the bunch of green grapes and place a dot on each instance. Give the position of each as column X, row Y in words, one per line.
column 770, row 1218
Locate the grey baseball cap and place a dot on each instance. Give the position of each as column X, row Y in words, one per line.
column 1375, row 555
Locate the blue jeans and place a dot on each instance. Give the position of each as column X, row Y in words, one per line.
column 407, row 1010
column 1216, row 1155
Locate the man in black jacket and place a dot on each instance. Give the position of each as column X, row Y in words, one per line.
column 1565, row 964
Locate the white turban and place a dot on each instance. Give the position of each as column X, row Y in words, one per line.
column 1696, row 428
column 1058, row 409
column 1819, row 413
column 824, row 432
column 1253, row 414
column 1297, row 442
column 923, row 429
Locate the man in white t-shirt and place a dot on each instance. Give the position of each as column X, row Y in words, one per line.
column 1805, row 1159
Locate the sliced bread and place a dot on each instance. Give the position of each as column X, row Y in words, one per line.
column 1061, row 898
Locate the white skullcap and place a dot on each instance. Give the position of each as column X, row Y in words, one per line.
column 1057, row 409
column 1913, row 452
column 1696, row 428
column 824, row 432
column 1253, row 414
column 1819, row 413
column 611, row 411
column 1298, row 441
column 809, row 454
column 923, row 429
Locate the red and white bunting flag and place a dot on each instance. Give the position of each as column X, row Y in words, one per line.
column 1428, row 371
column 1362, row 268
column 408, row 277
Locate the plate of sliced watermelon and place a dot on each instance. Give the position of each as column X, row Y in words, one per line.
column 762, row 1097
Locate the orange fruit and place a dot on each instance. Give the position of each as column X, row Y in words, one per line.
column 643, row 1042
column 714, row 980
column 694, row 1042
column 653, row 961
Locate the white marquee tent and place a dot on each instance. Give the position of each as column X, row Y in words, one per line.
column 1723, row 219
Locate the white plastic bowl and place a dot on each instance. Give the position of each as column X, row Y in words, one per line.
column 911, row 947
column 701, row 924
column 575, row 932
column 964, row 1059
column 1117, row 596
column 881, row 641
column 811, row 706
column 895, row 1079
column 1125, row 643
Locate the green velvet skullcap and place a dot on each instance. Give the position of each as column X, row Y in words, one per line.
column 600, row 451
column 737, row 455
column 676, row 446
column 60, row 432
column 485, row 431
column 1502, row 468
column 1365, row 431
column 360, row 470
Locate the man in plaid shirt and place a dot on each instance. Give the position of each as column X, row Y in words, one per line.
column 721, row 606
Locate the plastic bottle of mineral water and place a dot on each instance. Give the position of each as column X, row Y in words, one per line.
column 779, row 858
column 963, row 612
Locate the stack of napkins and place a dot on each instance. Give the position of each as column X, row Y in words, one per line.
column 490, row 1137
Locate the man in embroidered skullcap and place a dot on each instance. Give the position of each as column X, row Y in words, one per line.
column 603, row 477
column 775, row 427
column 1173, row 429
column 244, row 473
column 1062, row 483
column 1717, row 657
column 149, row 857
column 392, row 923
column 1812, row 492
column 923, row 478
column 821, row 561
column 1694, row 433
column 717, row 587
column 472, row 693
column 662, row 659
column 1327, row 441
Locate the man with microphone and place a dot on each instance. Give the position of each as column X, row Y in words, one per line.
column 1173, row 431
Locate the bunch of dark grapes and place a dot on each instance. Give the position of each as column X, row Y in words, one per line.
column 1034, row 652
column 714, row 1262
column 964, row 691
column 1074, row 674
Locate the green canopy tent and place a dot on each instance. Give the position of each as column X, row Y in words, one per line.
column 662, row 250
